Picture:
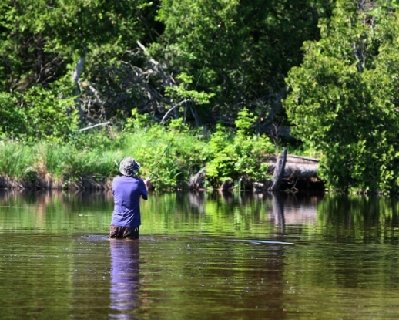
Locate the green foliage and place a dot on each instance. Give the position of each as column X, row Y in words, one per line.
column 221, row 164
column 49, row 157
column 100, row 139
column 12, row 120
column 40, row 113
column 343, row 98
column 47, row 115
column 67, row 161
column 88, row 163
column 178, row 125
column 39, row 39
column 137, row 121
column 169, row 155
column 235, row 51
column 244, row 122
column 223, row 55
column 182, row 90
column 15, row 159
column 238, row 156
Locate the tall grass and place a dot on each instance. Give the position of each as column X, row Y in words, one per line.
column 15, row 158
column 167, row 156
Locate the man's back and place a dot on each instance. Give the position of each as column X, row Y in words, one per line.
column 127, row 192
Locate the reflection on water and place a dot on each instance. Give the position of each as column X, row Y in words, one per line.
column 370, row 220
column 124, row 278
column 278, row 212
column 200, row 256
column 196, row 201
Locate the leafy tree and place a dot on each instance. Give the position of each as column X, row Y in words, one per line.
column 343, row 96
column 42, row 40
column 220, row 55
column 49, row 115
column 39, row 113
column 11, row 118
column 238, row 50
column 39, row 36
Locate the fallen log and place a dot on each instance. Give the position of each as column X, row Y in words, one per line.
column 299, row 174
column 295, row 166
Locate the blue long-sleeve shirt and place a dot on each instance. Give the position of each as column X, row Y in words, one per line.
column 127, row 192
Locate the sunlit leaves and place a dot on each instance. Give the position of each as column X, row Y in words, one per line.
column 343, row 96
column 239, row 156
column 238, row 50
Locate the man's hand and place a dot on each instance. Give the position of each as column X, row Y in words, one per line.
column 148, row 184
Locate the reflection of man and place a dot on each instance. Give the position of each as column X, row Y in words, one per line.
column 124, row 278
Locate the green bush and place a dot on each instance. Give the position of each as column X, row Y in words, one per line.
column 240, row 155
column 12, row 121
column 346, row 107
column 168, row 154
column 49, row 116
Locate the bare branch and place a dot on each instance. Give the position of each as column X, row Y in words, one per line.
column 103, row 124
column 168, row 79
column 172, row 109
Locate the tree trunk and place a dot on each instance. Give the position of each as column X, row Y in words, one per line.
column 279, row 170
column 75, row 79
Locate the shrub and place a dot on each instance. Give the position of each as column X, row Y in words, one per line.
column 238, row 156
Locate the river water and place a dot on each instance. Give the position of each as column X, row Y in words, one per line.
column 200, row 256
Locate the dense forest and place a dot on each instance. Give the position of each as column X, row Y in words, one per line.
column 183, row 85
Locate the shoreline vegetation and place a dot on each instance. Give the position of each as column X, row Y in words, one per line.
column 204, row 94
column 300, row 175
column 173, row 157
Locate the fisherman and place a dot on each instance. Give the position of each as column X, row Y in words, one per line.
column 127, row 190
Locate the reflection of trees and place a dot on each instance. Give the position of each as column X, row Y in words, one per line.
column 55, row 210
column 351, row 253
column 124, row 278
column 359, row 218
column 292, row 210
column 211, row 212
column 89, row 278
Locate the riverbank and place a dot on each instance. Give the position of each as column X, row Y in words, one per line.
column 35, row 182
column 172, row 157
column 300, row 174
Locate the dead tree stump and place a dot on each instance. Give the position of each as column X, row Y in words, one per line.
column 279, row 170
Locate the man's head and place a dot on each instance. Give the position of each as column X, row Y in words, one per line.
column 129, row 167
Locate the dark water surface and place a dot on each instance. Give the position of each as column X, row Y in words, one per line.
column 200, row 257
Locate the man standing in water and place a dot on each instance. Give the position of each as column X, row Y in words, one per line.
column 127, row 190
